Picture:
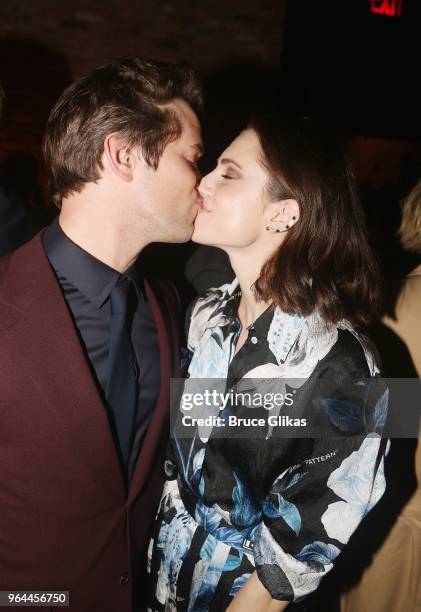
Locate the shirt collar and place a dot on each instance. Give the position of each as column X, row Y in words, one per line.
column 283, row 333
column 280, row 328
column 231, row 299
column 89, row 275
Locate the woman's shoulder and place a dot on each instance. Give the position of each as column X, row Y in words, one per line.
column 354, row 351
column 204, row 310
column 329, row 349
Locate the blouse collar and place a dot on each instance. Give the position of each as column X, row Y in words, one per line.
column 281, row 328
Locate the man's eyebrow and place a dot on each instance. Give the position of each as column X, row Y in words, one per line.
column 227, row 160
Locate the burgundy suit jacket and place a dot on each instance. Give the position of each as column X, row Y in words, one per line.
column 66, row 520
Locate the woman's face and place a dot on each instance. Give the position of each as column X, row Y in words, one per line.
column 234, row 197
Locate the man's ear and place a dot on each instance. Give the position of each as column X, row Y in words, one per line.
column 119, row 157
column 282, row 215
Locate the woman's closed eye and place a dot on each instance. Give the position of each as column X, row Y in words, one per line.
column 229, row 173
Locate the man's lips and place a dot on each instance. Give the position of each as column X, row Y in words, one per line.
column 202, row 206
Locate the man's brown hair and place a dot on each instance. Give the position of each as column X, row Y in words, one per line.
column 129, row 96
column 325, row 261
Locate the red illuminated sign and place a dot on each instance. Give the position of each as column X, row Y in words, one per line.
column 391, row 8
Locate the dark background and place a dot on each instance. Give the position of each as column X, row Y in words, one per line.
column 355, row 69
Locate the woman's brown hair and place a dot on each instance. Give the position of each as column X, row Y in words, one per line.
column 325, row 261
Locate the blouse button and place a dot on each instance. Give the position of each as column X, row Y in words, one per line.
column 254, row 340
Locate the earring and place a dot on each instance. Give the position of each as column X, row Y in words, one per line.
column 273, row 230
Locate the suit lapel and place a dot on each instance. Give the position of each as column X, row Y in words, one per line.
column 40, row 326
column 52, row 355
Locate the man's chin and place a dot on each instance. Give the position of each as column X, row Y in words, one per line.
column 184, row 238
column 178, row 237
column 197, row 239
column 195, row 235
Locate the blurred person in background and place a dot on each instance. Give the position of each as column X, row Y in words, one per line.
column 22, row 211
column 21, row 208
column 392, row 581
column 405, row 321
column 208, row 267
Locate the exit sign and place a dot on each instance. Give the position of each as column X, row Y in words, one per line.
column 391, row 8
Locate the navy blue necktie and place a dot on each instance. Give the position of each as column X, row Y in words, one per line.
column 121, row 384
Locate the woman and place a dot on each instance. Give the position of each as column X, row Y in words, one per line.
column 250, row 519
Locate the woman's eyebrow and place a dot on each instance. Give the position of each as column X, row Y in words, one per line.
column 227, row 160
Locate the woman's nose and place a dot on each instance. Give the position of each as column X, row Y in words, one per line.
column 204, row 187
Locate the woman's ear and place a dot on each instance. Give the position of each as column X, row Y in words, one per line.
column 119, row 157
column 282, row 215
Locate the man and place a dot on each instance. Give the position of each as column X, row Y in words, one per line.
column 87, row 344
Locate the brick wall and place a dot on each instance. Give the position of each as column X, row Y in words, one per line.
column 44, row 44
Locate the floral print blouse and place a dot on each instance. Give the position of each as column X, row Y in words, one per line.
column 291, row 502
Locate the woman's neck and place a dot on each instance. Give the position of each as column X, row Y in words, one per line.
column 247, row 272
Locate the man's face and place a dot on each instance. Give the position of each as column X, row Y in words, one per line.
column 169, row 194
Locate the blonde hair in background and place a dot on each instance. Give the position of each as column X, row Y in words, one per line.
column 410, row 228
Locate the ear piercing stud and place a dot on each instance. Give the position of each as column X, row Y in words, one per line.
column 278, row 231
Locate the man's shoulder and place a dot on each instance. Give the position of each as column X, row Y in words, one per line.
column 171, row 292
column 23, row 274
column 165, row 293
column 4, row 266
column 26, row 252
